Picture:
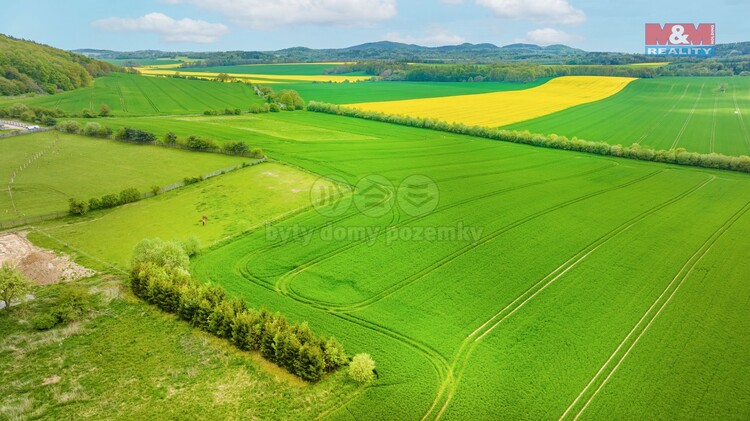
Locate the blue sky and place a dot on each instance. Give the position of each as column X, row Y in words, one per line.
column 211, row 25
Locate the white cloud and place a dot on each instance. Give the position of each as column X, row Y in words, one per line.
column 558, row 11
column 267, row 14
column 549, row 36
column 170, row 30
column 433, row 37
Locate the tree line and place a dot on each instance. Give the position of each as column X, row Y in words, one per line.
column 160, row 276
column 170, row 139
column 678, row 156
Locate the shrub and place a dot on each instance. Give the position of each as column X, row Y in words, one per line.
column 77, row 208
column 130, row 195
column 191, row 245
column 72, row 303
column 170, row 138
column 70, row 126
column 155, row 190
column 44, row 321
column 334, row 354
column 95, row 203
column 256, row 153
column 200, row 144
column 110, row 201
column 128, row 134
column 361, row 368
column 237, row 148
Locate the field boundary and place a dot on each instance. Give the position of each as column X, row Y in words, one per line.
column 636, row 152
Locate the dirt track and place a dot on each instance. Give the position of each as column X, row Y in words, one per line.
column 41, row 266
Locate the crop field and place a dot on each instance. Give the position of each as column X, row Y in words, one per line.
column 701, row 114
column 351, row 93
column 139, row 95
column 51, row 167
column 298, row 69
column 535, row 284
column 502, row 108
column 255, row 77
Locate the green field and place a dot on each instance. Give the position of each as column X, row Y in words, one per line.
column 562, row 283
column 129, row 95
column 663, row 113
column 51, row 167
column 351, row 93
column 234, row 203
column 142, row 62
column 302, row 69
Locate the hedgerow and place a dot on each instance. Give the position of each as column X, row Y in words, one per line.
column 678, row 156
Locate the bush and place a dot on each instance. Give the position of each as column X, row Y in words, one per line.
column 200, row 144
column 12, row 284
column 128, row 134
column 130, row 195
column 72, row 304
column 77, row 208
column 256, row 153
column 274, row 107
column 191, row 245
column 236, row 148
column 110, row 201
column 361, row 368
column 44, row 321
column 170, row 138
column 70, row 126
column 95, row 203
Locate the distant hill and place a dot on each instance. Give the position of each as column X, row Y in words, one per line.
column 26, row 66
column 381, row 50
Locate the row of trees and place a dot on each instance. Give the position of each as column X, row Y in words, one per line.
column 82, row 207
column 133, row 135
column 635, row 151
column 47, row 116
column 160, row 276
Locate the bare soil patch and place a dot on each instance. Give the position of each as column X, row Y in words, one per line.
column 41, row 266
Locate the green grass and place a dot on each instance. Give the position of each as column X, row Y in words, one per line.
column 691, row 113
column 576, row 252
column 129, row 95
column 234, row 203
column 351, row 93
column 81, row 167
column 129, row 360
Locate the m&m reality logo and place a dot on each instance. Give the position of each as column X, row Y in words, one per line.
column 680, row 39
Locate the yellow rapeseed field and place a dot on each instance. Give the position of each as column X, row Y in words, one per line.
column 148, row 71
column 501, row 108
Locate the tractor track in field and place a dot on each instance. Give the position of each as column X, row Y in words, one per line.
column 648, row 318
column 148, row 99
column 296, row 237
column 283, row 283
column 656, row 124
column 688, row 119
column 712, row 139
column 189, row 93
column 738, row 113
column 167, row 94
column 467, row 346
column 123, row 104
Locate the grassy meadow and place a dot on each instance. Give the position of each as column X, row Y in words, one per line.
column 52, row 167
column 555, row 284
column 128, row 360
